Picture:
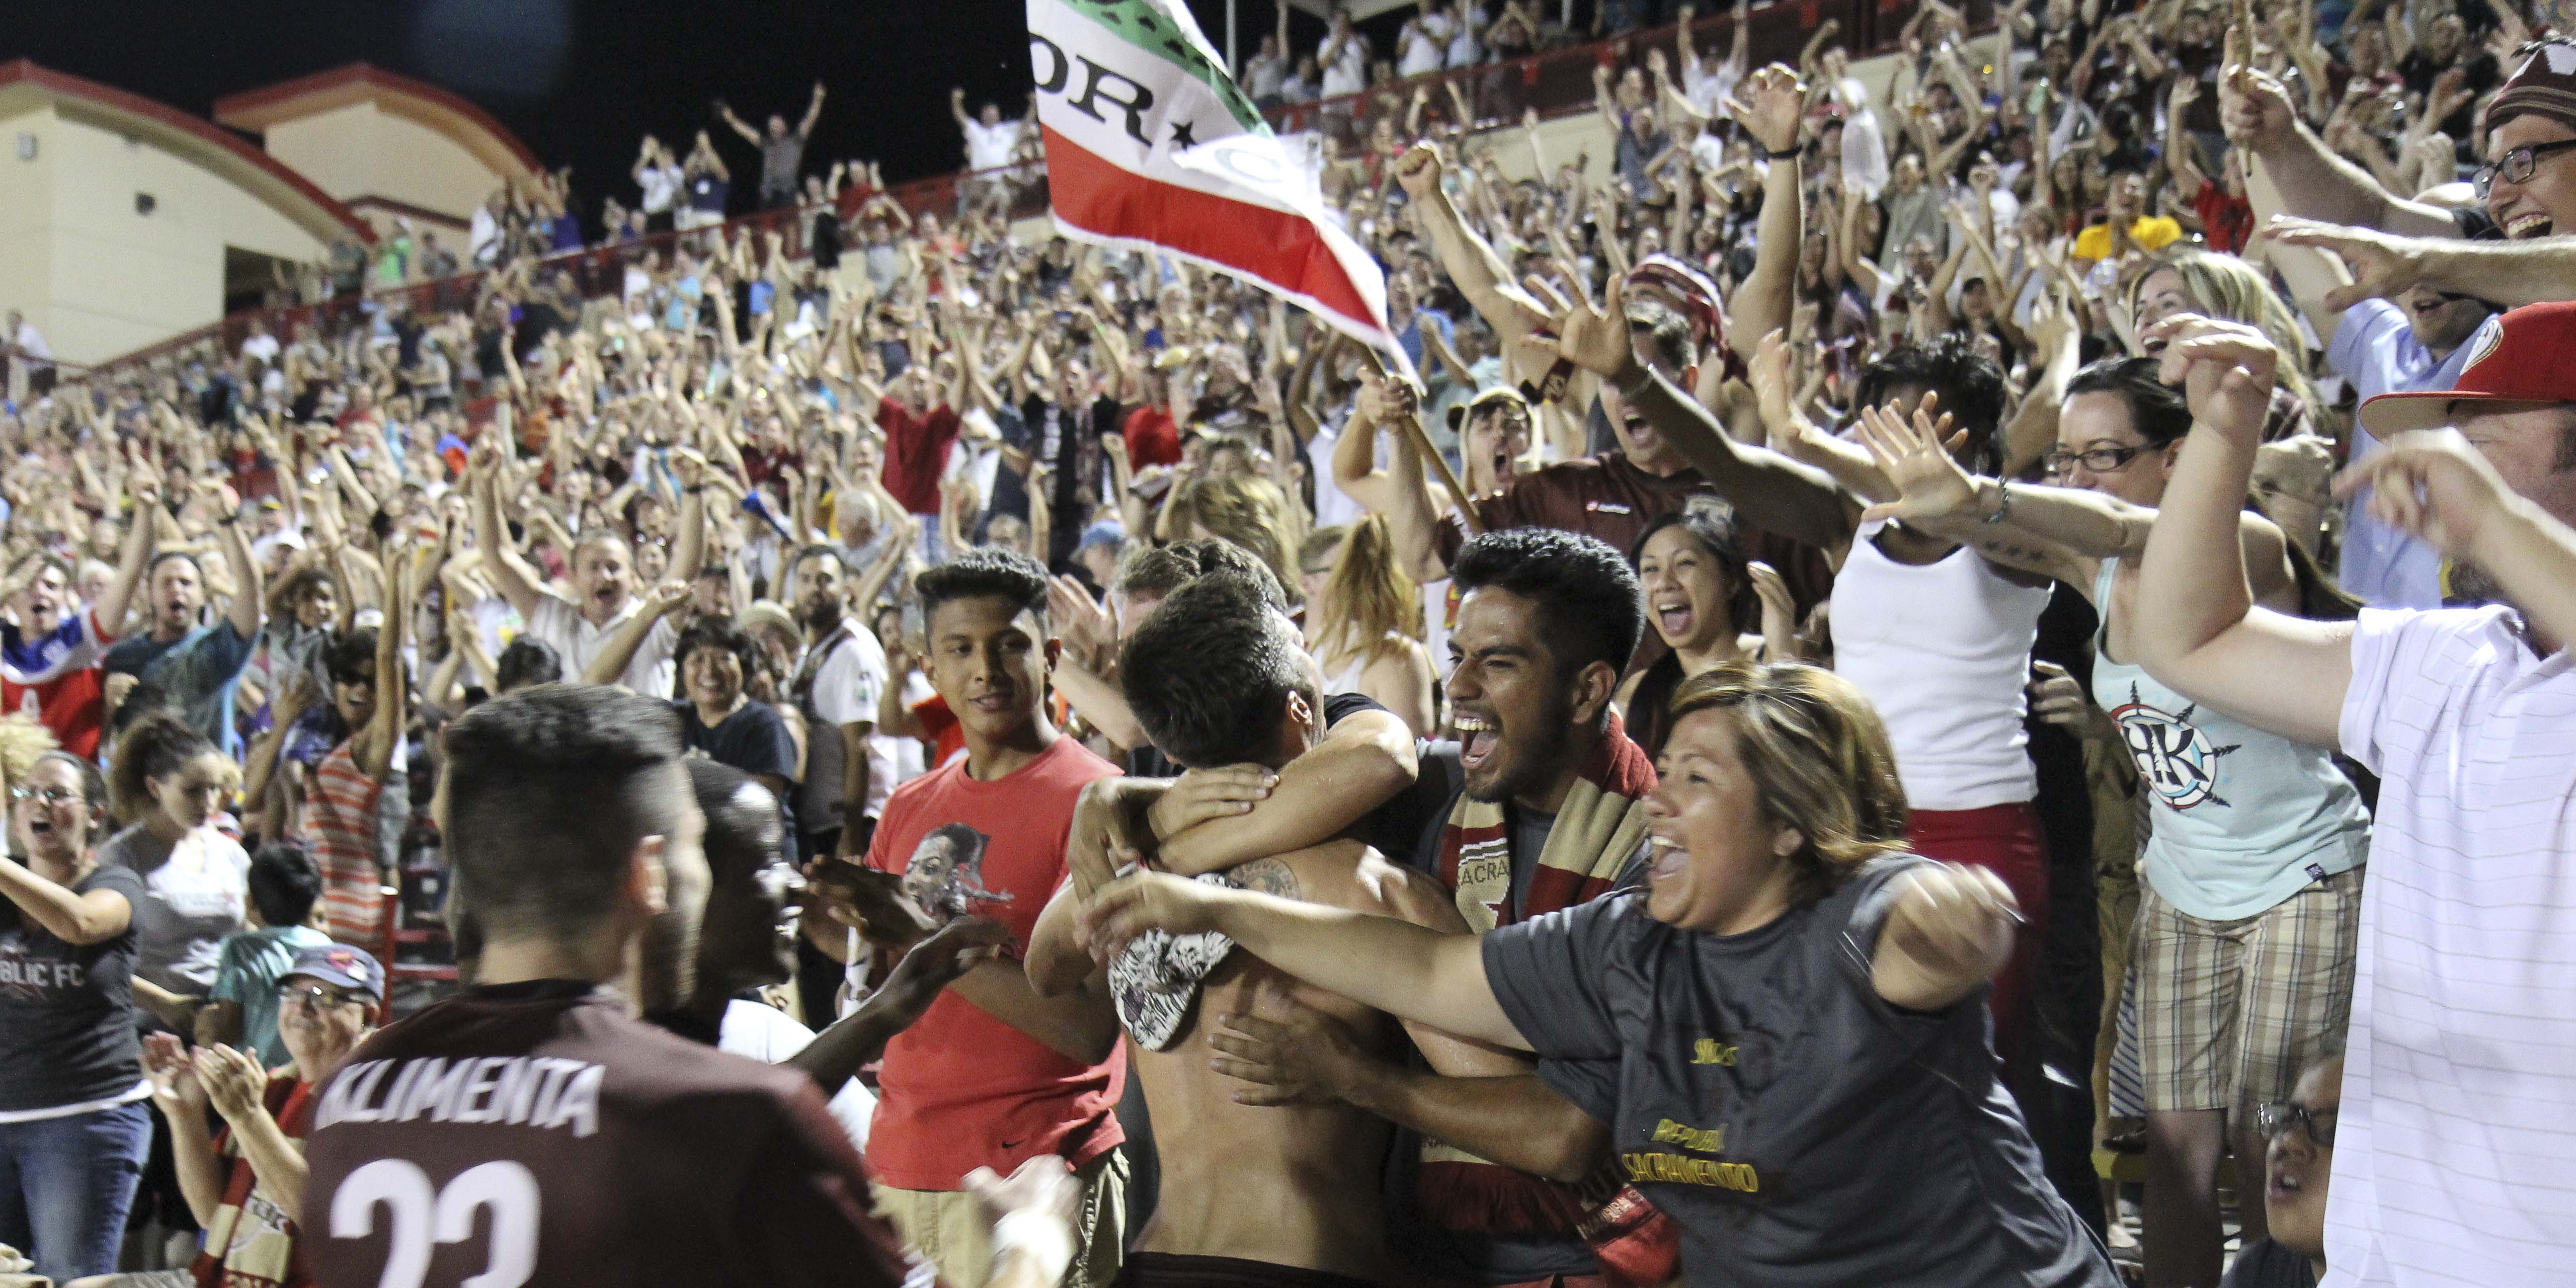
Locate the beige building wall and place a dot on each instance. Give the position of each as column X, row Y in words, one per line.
column 114, row 279
column 358, row 150
column 26, row 217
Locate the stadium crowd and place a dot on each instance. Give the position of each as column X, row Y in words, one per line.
column 1924, row 674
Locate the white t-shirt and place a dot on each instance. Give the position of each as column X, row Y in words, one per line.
column 771, row 1036
column 1423, row 45
column 2455, row 1155
column 579, row 643
column 988, row 147
column 262, row 346
column 1705, row 82
column 1347, row 74
column 660, row 184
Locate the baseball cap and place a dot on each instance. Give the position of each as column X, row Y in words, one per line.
column 342, row 966
column 1103, row 533
column 2519, row 357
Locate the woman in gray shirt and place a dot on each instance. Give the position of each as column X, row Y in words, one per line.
column 1784, row 1032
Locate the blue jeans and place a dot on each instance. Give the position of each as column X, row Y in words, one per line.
column 65, row 1185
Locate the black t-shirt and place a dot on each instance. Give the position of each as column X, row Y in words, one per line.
column 67, row 1033
column 754, row 739
column 600, row 1151
column 1799, row 1129
column 2265, row 1264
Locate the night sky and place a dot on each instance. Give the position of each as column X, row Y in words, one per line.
column 581, row 81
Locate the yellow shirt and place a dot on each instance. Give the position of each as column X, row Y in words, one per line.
column 2154, row 232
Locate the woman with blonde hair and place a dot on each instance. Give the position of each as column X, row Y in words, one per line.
column 1783, row 1033
column 2188, row 279
column 1363, row 629
column 1243, row 511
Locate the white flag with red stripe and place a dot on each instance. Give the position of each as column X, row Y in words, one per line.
column 1151, row 146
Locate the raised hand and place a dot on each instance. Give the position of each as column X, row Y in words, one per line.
column 1767, row 104
column 1418, row 171
column 1929, row 483
column 234, row 1081
column 2253, row 107
column 2226, row 370
column 1594, row 338
column 2383, row 267
column 173, row 1074
column 2432, row 486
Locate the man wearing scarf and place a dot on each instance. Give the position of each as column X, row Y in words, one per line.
column 1544, row 811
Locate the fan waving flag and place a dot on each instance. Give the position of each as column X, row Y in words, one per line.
column 1151, row 146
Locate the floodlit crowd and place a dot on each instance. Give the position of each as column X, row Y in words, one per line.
column 1941, row 665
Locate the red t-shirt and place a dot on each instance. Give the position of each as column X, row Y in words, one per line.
column 960, row 1089
column 2228, row 221
column 250, row 1243
column 1152, row 438
column 916, row 451
column 947, row 737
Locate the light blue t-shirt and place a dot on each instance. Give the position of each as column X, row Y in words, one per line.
column 250, row 964
column 2378, row 353
column 2243, row 818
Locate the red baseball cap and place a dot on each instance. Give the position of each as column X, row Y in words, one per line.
column 2525, row 357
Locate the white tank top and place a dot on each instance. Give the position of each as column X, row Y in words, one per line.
column 1943, row 651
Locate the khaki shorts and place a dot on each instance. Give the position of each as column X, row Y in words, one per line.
column 948, row 1229
column 2229, row 1010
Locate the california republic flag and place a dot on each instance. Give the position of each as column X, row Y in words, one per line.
column 1150, row 146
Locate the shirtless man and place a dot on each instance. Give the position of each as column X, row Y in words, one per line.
column 1249, row 1194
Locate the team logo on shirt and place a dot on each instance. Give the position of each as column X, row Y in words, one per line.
column 2175, row 759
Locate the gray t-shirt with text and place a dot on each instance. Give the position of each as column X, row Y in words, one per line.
column 1798, row 1128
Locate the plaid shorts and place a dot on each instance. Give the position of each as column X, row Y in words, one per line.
column 2227, row 1011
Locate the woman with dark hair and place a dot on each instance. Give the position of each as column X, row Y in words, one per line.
column 1701, row 595
column 168, row 782
column 718, row 716
column 73, row 1128
column 2250, row 917
column 1782, row 1035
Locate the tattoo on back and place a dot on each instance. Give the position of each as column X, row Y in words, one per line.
column 1269, row 876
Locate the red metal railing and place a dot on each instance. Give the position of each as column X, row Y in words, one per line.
column 1554, row 83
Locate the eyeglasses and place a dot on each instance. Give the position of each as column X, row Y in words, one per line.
column 316, row 997
column 2516, row 165
column 48, row 795
column 2100, row 460
column 2275, row 1121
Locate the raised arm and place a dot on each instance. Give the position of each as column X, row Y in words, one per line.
column 725, row 114
column 1780, row 495
column 2259, row 117
column 1767, row 104
column 109, row 611
column 617, row 652
column 2506, row 273
column 246, row 609
column 382, row 738
column 2197, row 628
column 492, row 537
column 1471, row 263
column 813, row 113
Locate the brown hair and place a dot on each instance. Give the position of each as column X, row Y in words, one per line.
column 1367, row 599
column 1248, row 512
column 1819, row 757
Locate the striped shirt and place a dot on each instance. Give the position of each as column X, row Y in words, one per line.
column 2455, row 1159
column 339, row 827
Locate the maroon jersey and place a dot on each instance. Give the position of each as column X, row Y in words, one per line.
column 537, row 1134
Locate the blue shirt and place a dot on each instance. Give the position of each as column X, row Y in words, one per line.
column 251, row 963
column 2377, row 351
column 198, row 672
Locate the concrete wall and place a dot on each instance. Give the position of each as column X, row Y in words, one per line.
column 360, row 150
column 100, row 278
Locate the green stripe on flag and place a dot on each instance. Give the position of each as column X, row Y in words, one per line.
column 1143, row 24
